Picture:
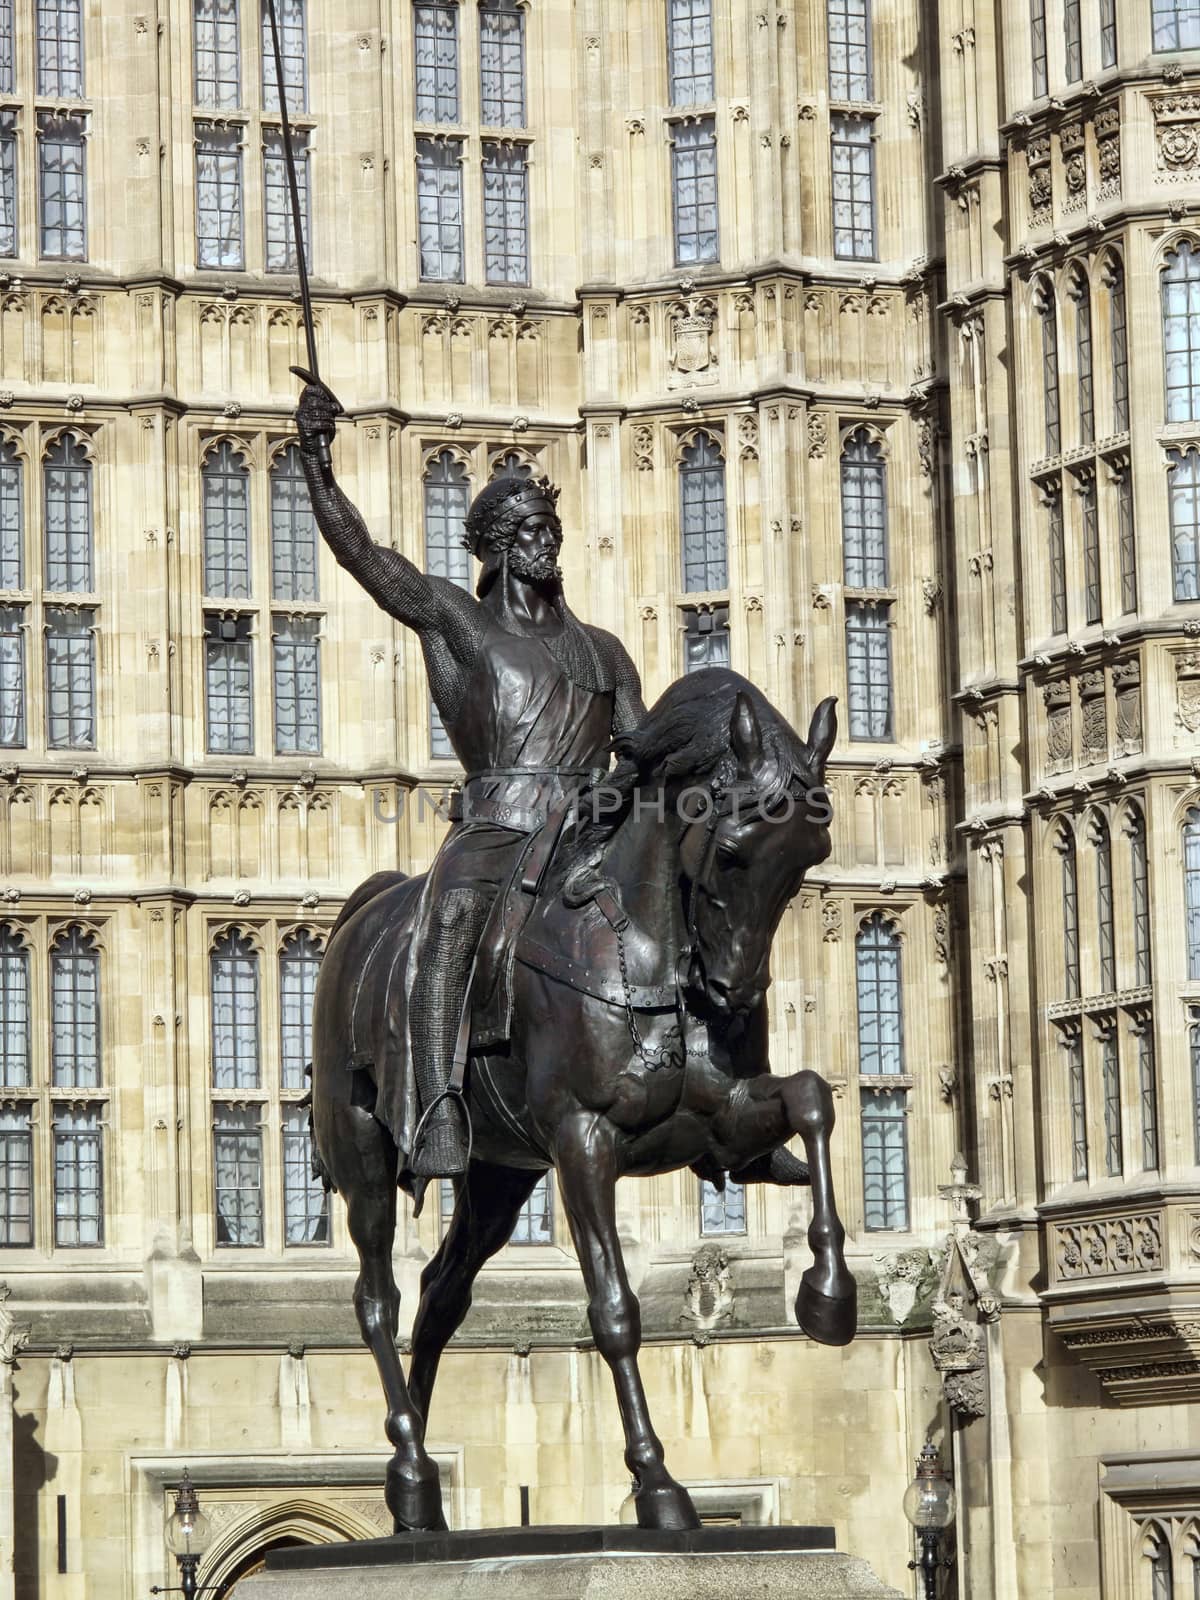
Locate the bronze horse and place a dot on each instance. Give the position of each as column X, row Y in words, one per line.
column 648, row 951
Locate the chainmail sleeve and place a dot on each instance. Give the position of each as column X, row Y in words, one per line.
column 629, row 709
column 446, row 616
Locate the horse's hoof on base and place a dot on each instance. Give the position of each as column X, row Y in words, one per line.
column 824, row 1318
column 416, row 1507
column 668, row 1507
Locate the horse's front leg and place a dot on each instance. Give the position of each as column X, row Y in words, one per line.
column 827, row 1300
column 587, row 1172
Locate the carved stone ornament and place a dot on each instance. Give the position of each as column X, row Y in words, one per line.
column 1093, row 718
column 1187, row 691
column 692, row 322
column 13, row 1337
column 1060, row 749
column 1177, row 136
column 818, row 434
column 1127, row 684
column 1108, row 1247
column 708, row 1298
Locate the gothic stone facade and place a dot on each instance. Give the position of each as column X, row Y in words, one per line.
column 861, row 336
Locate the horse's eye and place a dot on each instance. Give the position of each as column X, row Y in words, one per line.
column 728, row 852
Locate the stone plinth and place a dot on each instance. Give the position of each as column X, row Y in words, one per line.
column 575, row 1564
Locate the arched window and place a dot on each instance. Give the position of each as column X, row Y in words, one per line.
column 511, row 466
column 1191, row 882
column 1181, row 332
column 1139, row 883
column 14, row 1012
column 864, row 513
column 75, row 1006
column 1156, row 1553
column 1105, row 919
column 1065, row 845
column 447, row 501
column 299, row 962
column 1056, row 553
column 67, row 483
column 12, row 517
column 1045, row 307
column 1110, row 1079
column 1183, row 470
column 235, row 1052
column 702, row 515
column 883, row 1111
column 1118, row 334
column 225, row 486
column 501, row 64
column 293, row 531
column 1085, row 373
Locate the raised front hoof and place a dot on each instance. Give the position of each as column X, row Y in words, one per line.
column 667, row 1506
column 824, row 1318
column 416, row 1505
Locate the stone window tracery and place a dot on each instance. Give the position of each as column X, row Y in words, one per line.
column 864, row 513
column 702, row 515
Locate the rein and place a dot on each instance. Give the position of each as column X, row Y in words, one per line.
column 607, row 902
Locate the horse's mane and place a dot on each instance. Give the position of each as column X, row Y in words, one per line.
column 684, row 735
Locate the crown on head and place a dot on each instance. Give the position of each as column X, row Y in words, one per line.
column 493, row 507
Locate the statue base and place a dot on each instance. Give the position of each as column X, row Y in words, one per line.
column 618, row 1563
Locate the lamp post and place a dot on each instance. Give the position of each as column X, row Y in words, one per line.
column 188, row 1532
column 929, row 1504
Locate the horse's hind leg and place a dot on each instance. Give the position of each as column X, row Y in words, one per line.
column 587, row 1171
column 489, row 1200
column 361, row 1158
column 827, row 1300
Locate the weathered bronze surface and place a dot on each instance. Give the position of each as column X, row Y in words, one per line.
column 619, row 1018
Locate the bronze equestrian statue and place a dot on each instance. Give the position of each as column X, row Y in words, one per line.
column 580, row 980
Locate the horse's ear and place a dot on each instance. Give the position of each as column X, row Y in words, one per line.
column 745, row 735
column 821, row 734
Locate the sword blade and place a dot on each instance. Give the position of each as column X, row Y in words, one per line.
column 310, row 335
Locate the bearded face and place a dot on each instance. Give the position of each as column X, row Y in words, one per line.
column 536, row 542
